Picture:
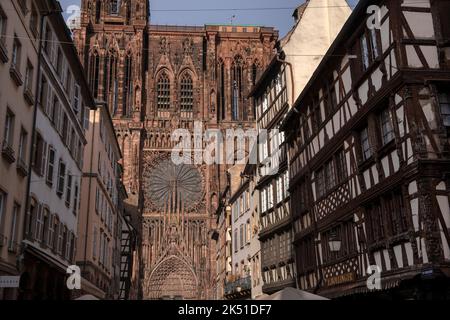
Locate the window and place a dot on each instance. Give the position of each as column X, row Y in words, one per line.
column 387, row 130
column 64, row 242
column 365, row 144
column 237, row 81
column 444, row 102
column 369, row 48
column 97, row 200
column 68, row 82
column 23, row 145
column 374, row 44
column 2, row 206
column 68, row 245
column 263, row 200
column 8, row 136
column 115, row 7
column 23, row 6
column 47, row 43
column 61, row 178
column 40, row 153
column 59, row 62
column 59, row 246
column 69, row 189
column 51, row 231
column 56, row 226
column 75, row 198
column 375, row 222
column 187, row 93
column 50, row 165
column 241, row 236
column 320, row 183
column 248, row 232
column 330, row 175
column 34, row 20
column 364, row 52
column 46, row 226
column 127, row 86
column 43, row 95
column 16, row 54
column 3, row 25
column 270, row 196
column 55, row 111
column 64, row 128
column 236, row 240
column 14, row 227
column 39, row 224
column 94, row 73
column 341, row 167
column 76, row 99
column 163, row 92
column 29, row 77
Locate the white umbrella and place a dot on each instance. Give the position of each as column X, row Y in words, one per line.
column 293, row 294
column 87, row 297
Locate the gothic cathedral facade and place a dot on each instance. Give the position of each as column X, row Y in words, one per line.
column 156, row 79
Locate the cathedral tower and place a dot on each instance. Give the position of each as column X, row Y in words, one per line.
column 156, row 79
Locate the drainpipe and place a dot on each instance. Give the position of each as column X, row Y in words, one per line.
column 291, row 69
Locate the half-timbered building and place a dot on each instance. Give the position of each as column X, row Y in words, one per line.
column 298, row 54
column 369, row 156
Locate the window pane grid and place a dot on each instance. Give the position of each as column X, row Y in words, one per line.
column 187, row 94
column 163, row 92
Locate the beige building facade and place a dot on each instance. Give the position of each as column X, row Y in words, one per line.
column 53, row 205
column 99, row 224
column 19, row 27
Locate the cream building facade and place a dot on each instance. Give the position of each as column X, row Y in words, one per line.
column 19, row 28
column 51, row 221
column 100, row 221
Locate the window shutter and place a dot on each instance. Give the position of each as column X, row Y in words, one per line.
column 86, row 118
column 33, row 221
column 44, row 158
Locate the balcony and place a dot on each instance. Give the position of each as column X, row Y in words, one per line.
column 8, row 152
column 239, row 289
column 16, row 75
column 22, row 167
column 3, row 51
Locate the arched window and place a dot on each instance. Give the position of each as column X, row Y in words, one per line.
column 163, row 92
column 98, row 11
column 110, row 80
column 221, row 90
column 255, row 72
column 186, row 92
column 236, row 87
column 94, row 73
column 128, row 85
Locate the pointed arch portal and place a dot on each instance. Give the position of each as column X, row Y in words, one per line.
column 172, row 278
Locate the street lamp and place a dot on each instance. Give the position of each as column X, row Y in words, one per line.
column 334, row 242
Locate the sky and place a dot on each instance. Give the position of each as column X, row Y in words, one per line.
column 276, row 13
